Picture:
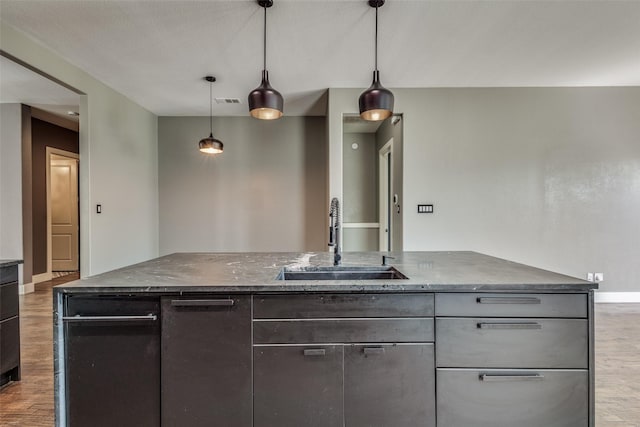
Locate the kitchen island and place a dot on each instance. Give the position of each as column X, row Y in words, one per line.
column 447, row 339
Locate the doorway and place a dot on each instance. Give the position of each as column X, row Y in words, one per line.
column 63, row 231
column 385, row 179
column 371, row 184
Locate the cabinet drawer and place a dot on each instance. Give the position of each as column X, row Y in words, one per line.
column 111, row 306
column 523, row 398
column 511, row 305
column 342, row 331
column 9, row 344
column 8, row 300
column 342, row 305
column 512, row 343
column 8, row 274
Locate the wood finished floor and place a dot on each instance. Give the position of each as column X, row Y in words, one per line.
column 29, row 403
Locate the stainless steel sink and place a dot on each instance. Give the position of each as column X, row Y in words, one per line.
column 340, row 273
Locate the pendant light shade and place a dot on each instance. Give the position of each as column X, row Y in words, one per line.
column 210, row 145
column 265, row 102
column 376, row 103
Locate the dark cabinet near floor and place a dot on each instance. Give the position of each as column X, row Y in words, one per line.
column 206, row 361
column 298, row 386
column 389, row 385
column 112, row 349
column 9, row 324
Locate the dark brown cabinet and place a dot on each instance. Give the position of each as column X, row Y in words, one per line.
column 9, row 325
column 298, row 386
column 112, row 349
column 355, row 360
column 389, row 385
column 206, row 361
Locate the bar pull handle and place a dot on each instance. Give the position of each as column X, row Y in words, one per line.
column 146, row 318
column 314, row 352
column 202, row 303
column 373, row 351
column 508, row 300
column 495, row 378
column 519, row 325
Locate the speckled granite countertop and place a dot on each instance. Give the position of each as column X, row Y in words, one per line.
column 257, row 272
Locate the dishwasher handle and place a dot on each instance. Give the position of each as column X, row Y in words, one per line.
column 78, row 318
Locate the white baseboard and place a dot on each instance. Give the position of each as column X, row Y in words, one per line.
column 26, row 288
column 44, row 277
column 617, row 297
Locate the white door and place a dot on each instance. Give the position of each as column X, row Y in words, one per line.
column 64, row 214
column 385, row 185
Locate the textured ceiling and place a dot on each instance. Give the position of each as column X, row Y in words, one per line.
column 156, row 52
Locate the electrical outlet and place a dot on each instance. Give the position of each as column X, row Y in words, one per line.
column 595, row 277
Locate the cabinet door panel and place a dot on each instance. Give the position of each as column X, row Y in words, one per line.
column 507, row 398
column 113, row 366
column 9, row 344
column 298, row 386
column 206, row 362
column 389, row 386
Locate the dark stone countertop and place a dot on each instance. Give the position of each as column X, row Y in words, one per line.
column 9, row 262
column 257, row 272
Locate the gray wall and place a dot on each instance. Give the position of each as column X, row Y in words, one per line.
column 360, row 201
column 118, row 163
column 266, row 192
column 10, row 181
column 545, row 176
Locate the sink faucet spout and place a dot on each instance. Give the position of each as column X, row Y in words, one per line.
column 334, row 230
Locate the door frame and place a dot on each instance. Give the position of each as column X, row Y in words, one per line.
column 58, row 152
column 385, row 186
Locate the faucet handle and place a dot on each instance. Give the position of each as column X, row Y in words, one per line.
column 385, row 258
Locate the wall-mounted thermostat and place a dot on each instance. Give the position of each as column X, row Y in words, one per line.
column 425, row 208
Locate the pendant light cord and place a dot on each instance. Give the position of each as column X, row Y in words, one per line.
column 211, row 108
column 264, row 47
column 376, row 56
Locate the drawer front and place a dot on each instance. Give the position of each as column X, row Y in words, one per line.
column 342, row 305
column 343, row 331
column 511, row 305
column 9, row 301
column 8, row 274
column 111, row 305
column 512, row 343
column 523, row 398
column 9, row 344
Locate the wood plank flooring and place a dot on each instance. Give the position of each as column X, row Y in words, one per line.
column 29, row 403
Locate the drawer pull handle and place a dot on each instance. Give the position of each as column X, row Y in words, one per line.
column 508, row 300
column 522, row 325
column 373, row 351
column 314, row 352
column 147, row 318
column 509, row 378
column 202, row 303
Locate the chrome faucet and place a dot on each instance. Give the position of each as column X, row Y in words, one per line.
column 334, row 230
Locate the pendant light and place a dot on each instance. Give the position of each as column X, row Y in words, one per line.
column 265, row 102
column 210, row 145
column 376, row 103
